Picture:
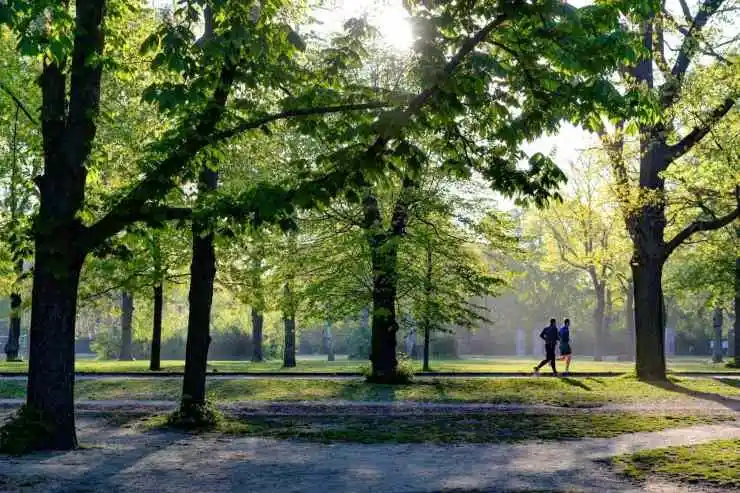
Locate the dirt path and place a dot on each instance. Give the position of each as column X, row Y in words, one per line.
column 297, row 408
column 127, row 460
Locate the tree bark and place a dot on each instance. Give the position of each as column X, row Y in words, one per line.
column 736, row 341
column 155, row 363
column 328, row 341
column 50, row 391
column 257, row 323
column 649, row 320
column 629, row 319
column 13, row 346
column 598, row 320
column 428, row 309
column 202, row 275
column 384, row 324
column 717, row 325
column 289, row 324
column 127, row 317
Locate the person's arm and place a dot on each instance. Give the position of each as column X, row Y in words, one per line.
column 542, row 334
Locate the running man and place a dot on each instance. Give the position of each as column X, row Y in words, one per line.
column 565, row 350
column 550, row 335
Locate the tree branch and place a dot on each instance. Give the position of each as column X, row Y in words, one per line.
column 694, row 137
column 18, row 103
column 686, row 11
column 698, row 226
column 690, row 44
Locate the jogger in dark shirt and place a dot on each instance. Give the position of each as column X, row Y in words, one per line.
column 550, row 335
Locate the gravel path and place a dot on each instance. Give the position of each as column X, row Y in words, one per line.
column 131, row 461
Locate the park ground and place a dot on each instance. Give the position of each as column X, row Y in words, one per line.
column 441, row 434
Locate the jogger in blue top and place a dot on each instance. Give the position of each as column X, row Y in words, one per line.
column 565, row 350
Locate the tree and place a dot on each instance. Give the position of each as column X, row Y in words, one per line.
column 665, row 137
column 584, row 230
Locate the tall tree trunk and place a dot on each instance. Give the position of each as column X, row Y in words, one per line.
column 428, row 309
column 384, row 323
column 649, row 320
column 629, row 319
column 257, row 324
column 202, row 275
column 328, row 341
column 155, row 363
column 50, row 393
column 736, row 341
column 13, row 346
column 127, row 317
column 598, row 315
column 289, row 323
column 717, row 325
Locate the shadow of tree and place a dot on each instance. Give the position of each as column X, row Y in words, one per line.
column 671, row 386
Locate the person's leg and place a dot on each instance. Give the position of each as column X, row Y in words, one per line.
column 551, row 357
column 567, row 363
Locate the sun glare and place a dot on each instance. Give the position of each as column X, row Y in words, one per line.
column 388, row 16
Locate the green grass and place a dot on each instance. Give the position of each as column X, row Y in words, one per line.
column 568, row 392
column 457, row 428
column 715, row 463
column 319, row 364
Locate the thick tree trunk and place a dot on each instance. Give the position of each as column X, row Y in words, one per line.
column 155, row 363
column 200, row 298
column 289, row 324
column 50, row 393
column 257, row 324
column 13, row 346
column 127, row 318
column 649, row 320
column 384, row 323
column 717, row 325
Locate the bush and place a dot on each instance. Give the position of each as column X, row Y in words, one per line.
column 444, row 347
column 232, row 343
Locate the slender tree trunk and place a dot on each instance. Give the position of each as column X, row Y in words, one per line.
column 428, row 309
column 127, row 317
column 599, row 313
column 328, row 341
column 736, row 341
column 629, row 319
column 13, row 346
column 257, row 324
column 717, row 325
column 289, row 323
column 202, row 275
column 155, row 363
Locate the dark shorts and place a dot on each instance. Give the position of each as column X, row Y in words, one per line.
column 549, row 351
column 565, row 349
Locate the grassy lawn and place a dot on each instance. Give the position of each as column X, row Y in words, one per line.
column 447, row 428
column 715, row 463
column 342, row 365
column 569, row 392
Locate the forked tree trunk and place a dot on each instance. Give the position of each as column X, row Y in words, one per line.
column 200, row 298
column 155, row 359
column 717, row 326
column 13, row 346
column 257, row 324
column 127, row 317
